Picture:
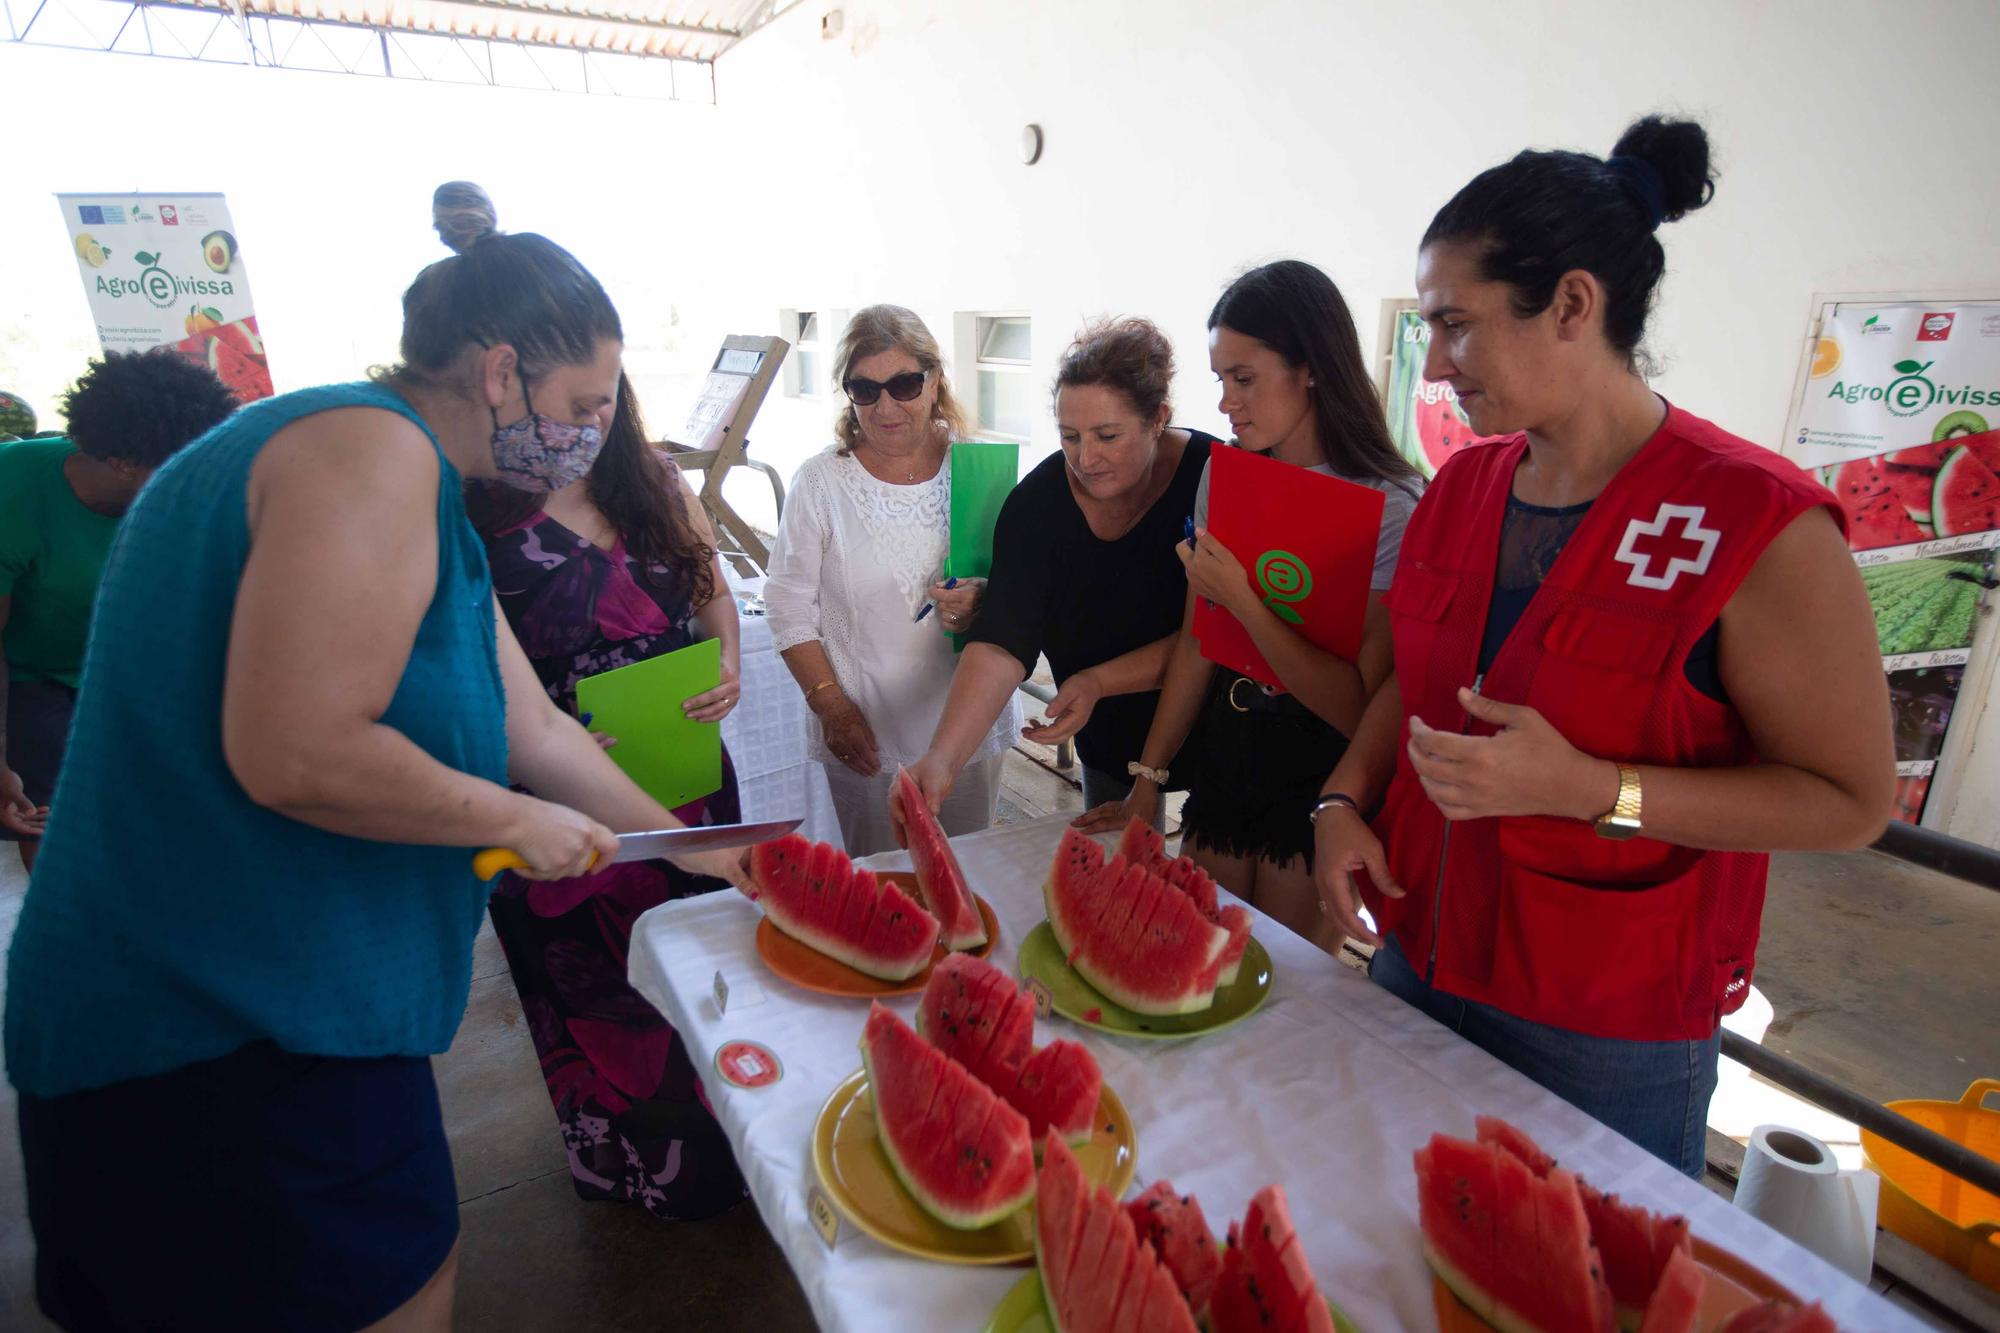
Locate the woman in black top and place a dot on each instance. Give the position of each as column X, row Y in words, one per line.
column 1084, row 570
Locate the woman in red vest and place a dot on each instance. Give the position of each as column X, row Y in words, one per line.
column 1632, row 656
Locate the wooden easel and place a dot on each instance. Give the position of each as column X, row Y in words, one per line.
column 719, row 433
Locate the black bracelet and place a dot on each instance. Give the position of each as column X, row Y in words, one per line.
column 1333, row 798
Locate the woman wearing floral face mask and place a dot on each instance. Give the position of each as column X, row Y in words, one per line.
column 301, row 711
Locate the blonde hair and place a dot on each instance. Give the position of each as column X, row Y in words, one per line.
column 887, row 328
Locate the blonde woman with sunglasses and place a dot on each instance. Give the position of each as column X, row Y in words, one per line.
column 859, row 558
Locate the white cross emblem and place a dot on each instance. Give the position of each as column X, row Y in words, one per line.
column 1675, row 549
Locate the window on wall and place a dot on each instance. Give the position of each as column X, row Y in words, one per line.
column 807, row 361
column 1004, row 383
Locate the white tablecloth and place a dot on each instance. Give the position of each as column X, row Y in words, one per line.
column 1328, row 1089
column 766, row 736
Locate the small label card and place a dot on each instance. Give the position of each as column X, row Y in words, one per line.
column 1039, row 995
column 721, row 994
column 824, row 1219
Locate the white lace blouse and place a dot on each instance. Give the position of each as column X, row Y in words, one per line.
column 851, row 566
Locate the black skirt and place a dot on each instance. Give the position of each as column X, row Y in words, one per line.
column 1255, row 765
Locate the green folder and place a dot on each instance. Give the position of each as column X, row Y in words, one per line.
column 982, row 475
column 673, row 759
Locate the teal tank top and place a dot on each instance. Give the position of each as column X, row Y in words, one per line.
column 172, row 920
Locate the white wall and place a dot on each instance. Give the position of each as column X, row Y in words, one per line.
column 1188, row 140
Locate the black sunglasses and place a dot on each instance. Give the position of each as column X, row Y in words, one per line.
column 903, row 388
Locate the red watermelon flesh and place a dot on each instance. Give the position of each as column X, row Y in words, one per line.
column 1097, row 1275
column 963, row 1154
column 1985, row 447
column 813, row 893
column 939, row 878
column 1927, row 457
column 1913, row 488
column 1174, row 1226
column 1266, row 1282
column 1634, row 1246
column 1966, row 498
column 1883, row 521
column 1129, row 933
column 249, row 380
column 1780, row 1317
column 1677, row 1299
column 1514, row 1246
column 1057, row 1090
column 1859, row 481
column 972, row 1012
column 1143, row 845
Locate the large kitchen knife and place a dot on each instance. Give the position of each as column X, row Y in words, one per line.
column 647, row 846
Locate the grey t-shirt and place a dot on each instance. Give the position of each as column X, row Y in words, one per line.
column 1396, row 507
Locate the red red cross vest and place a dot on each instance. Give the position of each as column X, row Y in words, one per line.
column 1540, row 916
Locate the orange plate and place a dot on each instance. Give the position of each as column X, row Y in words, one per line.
column 805, row 966
column 1732, row 1285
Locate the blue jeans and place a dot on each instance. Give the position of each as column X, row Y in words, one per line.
column 1655, row 1093
column 1101, row 788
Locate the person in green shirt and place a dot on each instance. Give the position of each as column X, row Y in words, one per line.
column 60, row 501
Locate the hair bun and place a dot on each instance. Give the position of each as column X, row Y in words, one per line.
column 463, row 215
column 1678, row 150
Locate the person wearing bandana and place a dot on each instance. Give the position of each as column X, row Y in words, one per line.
column 251, row 923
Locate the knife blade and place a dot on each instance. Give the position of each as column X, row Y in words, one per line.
column 657, row 843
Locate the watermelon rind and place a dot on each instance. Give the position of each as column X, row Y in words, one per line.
column 1087, row 899
column 970, row 1217
column 917, row 940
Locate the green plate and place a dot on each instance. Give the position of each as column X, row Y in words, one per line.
column 1075, row 999
column 1022, row 1310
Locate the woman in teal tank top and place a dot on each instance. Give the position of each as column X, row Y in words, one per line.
column 252, row 920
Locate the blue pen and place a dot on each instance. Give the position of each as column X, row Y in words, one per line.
column 949, row 583
column 1187, row 531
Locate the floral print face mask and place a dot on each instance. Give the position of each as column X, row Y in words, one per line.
column 539, row 453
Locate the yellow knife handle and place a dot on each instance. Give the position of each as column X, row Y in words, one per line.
column 493, row 860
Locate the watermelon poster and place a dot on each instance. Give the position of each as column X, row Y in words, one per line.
column 1424, row 417
column 1900, row 416
column 166, row 270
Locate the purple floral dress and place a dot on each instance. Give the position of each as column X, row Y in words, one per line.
column 630, row 1106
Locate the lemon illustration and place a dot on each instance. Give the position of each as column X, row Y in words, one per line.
column 90, row 252
column 1826, row 358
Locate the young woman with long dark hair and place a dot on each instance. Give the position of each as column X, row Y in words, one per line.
column 1295, row 387
column 608, row 571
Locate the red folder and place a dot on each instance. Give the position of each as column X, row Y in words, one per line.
column 1307, row 543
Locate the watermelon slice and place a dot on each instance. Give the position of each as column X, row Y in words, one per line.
column 963, row 1154
column 1913, row 488
column 1097, row 1275
column 973, row 1012
column 1513, row 1245
column 1174, row 1226
column 813, row 893
column 1883, row 520
column 248, row 379
column 1780, row 1317
column 1926, row 457
column 1634, row 1246
column 1966, row 497
column 1129, row 933
column 939, row 879
column 1265, row 1282
column 1142, row 844
column 1677, row 1299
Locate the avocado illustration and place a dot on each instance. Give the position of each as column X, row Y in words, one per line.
column 218, row 250
column 1956, row 424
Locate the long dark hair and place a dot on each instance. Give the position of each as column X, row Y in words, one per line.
column 630, row 485
column 1296, row 311
column 1543, row 214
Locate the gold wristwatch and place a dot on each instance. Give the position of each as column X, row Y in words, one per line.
column 1621, row 821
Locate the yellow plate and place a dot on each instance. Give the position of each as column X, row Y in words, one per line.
column 808, row 968
column 857, row 1177
column 1022, row 1310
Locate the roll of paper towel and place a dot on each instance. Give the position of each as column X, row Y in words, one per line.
column 1791, row 1182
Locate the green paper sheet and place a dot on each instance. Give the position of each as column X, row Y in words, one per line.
column 674, row 760
column 982, row 475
